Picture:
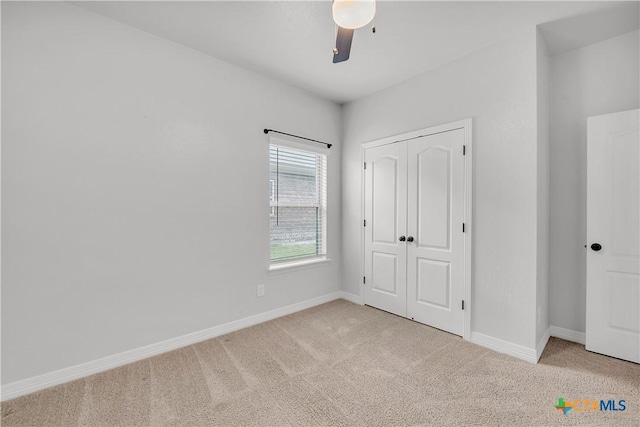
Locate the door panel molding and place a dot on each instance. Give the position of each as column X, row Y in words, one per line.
column 380, row 212
column 427, row 296
column 433, row 227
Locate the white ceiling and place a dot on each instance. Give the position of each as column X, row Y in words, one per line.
column 292, row 41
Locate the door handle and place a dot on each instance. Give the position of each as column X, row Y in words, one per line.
column 410, row 239
column 596, row 247
column 402, row 238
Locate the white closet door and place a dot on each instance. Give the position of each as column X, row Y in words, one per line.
column 386, row 215
column 613, row 235
column 435, row 257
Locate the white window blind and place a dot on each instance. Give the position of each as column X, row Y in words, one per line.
column 298, row 203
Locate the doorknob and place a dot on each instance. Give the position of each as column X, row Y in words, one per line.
column 402, row 238
column 596, row 247
column 410, row 239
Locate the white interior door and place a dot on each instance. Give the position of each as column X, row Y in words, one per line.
column 613, row 235
column 435, row 256
column 386, row 216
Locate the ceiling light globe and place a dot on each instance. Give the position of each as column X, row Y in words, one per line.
column 353, row 14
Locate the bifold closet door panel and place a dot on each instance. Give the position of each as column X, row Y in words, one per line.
column 435, row 257
column 386, row 215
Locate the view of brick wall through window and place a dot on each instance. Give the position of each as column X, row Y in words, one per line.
column 296, row 203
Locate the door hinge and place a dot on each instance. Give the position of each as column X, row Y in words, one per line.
column 463, row 227
column 463, row 304
column 365, row 165
column 464, row 150
column 364, row 279
column 365, row 223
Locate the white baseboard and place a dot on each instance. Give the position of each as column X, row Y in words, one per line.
column 516, row 350
column 543, row 343
column 568, row 334
column 50, row 379
column 356, row 299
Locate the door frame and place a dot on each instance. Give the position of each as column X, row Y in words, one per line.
column 467, row 125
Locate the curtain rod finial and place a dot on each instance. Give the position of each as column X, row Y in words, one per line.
column 266, row 131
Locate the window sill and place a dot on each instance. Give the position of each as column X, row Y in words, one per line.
column 286, row 267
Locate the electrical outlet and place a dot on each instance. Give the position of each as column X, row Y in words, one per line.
column 260, row 290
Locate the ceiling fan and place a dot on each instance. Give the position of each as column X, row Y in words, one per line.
column 349, row 15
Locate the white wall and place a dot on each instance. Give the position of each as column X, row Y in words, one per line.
column 135, row 189
column 597, row 79
column 542, row 292
column 497, row 88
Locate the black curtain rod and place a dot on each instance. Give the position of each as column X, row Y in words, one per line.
column 296, row 136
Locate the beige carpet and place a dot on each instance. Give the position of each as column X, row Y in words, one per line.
column 339, row 364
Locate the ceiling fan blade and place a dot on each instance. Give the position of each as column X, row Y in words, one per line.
column 343, row 44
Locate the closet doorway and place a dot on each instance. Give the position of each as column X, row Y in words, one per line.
column 417, row 225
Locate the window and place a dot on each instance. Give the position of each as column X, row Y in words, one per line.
column 298, row 207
